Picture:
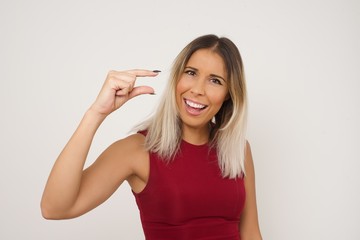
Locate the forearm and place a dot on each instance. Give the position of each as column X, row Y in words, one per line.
column 64, row 182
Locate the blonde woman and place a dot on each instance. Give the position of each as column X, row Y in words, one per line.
column 189, row 166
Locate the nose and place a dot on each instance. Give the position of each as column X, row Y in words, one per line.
column 198, row 87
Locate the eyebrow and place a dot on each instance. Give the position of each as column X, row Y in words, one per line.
column 212, row 75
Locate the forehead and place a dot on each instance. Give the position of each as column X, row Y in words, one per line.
column 209, row 61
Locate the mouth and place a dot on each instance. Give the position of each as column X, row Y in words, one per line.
column 194, row 108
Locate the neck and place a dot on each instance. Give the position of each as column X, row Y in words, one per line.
column 196, row 136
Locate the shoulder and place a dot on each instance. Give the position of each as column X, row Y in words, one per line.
column 126, row 151
column 135, row 139
column 249, row 162
column 132, row 149
column 248, row 154
column 129, row 146
column 249, row 223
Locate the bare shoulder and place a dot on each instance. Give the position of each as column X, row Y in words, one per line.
column 134, row 155
column 130, row 143
column 248, row 147
column 122, row 155
column 129, row 149
column 248, row 156
column 137, row 158
column 249, row 223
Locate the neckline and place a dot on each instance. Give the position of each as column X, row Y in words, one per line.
column 195, row 145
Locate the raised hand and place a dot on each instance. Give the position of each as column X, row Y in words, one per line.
column 71, row 190
column 119, row 87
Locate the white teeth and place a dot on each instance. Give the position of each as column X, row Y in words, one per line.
column 194, row 105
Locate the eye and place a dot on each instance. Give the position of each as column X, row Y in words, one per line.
column 216, row 81
column 190, row 72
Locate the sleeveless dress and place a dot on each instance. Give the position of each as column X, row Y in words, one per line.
column 188, row 199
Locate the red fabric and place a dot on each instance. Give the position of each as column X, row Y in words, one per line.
column 189, row 199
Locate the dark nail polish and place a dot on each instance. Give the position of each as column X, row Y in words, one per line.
column 152, row 93
column 156, row 71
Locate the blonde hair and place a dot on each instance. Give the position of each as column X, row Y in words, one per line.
column 229, row 124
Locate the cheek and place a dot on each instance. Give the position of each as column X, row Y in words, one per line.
column 181, row 87
column 179, row 90
column 218, row 97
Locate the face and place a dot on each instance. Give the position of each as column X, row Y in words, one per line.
column 201, row 89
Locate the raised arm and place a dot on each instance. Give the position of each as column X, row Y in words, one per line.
column 71, row 191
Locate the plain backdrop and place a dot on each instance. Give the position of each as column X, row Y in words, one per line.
column 302, row 62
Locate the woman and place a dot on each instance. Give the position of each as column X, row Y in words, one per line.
column 186, row 164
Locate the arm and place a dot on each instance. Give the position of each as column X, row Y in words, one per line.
column 70, row 191
column 249, row 224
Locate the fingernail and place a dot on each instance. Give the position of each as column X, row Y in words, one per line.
column 152, row 93
column 156, row 71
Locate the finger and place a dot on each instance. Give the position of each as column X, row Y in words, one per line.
column 143, row 72
column 123, row 92
column 118, row 85
column 141, row 90
column 121, row 76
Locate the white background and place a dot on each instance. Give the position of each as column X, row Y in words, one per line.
column 302, row 65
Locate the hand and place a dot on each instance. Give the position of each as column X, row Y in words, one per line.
column 118, row 88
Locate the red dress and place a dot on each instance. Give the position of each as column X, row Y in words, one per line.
column 188, row 198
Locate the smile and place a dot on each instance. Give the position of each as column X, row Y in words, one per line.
column 194, row 104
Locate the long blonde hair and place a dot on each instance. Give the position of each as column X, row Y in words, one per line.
column 229, row 124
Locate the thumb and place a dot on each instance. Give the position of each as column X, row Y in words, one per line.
column 136, row 91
